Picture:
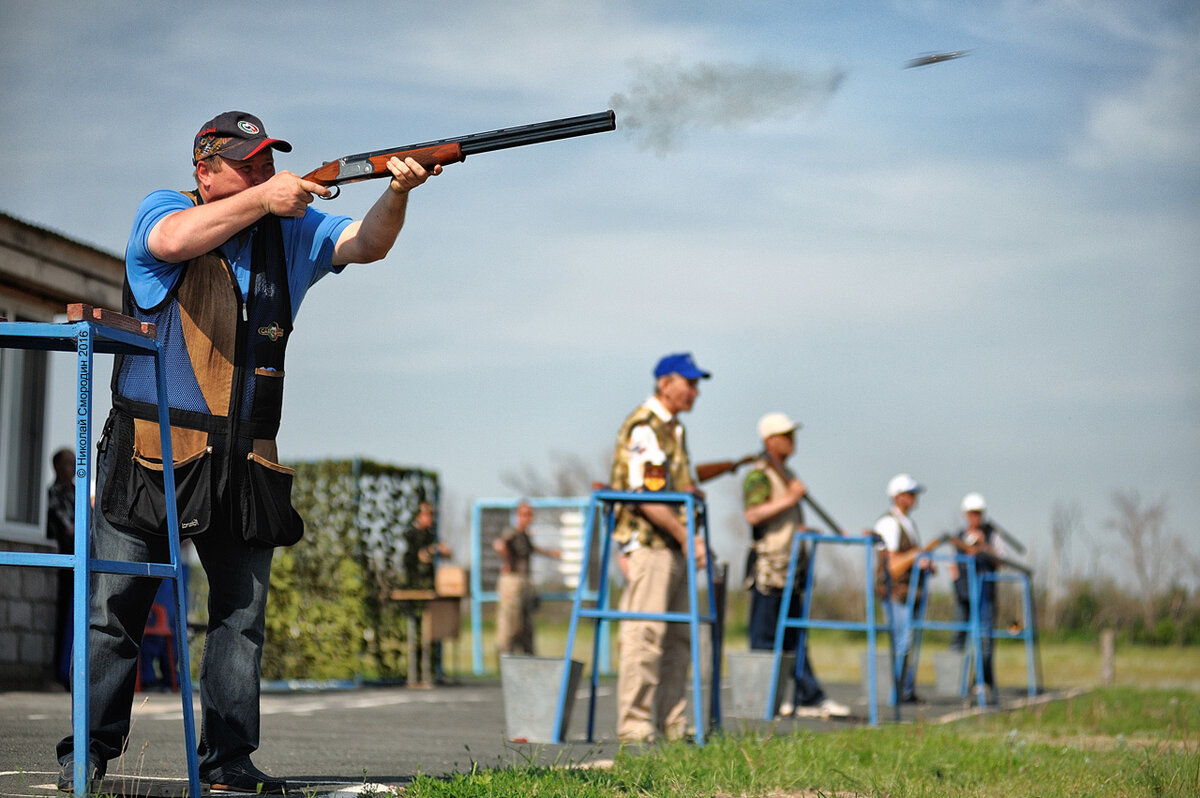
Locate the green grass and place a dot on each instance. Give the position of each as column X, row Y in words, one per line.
column 1111, row 742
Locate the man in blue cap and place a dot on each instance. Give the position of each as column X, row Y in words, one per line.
column 651, row 454
column 221, row 272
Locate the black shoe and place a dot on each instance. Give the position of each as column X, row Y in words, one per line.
column 66, row 774
column 240, row 775
column 912, row 698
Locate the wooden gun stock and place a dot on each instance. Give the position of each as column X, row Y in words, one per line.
column 707, row 471
column 900, row 563
column 371, row 165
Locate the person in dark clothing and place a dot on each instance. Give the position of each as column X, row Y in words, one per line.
column 982, row 543
column 60, row 527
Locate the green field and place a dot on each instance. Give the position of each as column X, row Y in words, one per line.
column 1108, row 742
column 1140, row 736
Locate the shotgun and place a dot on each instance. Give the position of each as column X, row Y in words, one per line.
column 837, row 528
column 900, row 562
column 369, row 165
column 707, row 471
column 1009, row 539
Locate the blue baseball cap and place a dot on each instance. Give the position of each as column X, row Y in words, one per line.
column 680, row 363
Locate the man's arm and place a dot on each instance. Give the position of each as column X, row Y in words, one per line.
column 191, row 232
column 759, row 508
column 372, row 238
column 665, row 518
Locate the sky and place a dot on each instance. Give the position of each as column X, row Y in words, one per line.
column 982, row 272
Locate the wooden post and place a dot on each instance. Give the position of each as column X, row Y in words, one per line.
column 1108, row 670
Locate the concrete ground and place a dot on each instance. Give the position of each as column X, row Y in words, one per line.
column 337, row 740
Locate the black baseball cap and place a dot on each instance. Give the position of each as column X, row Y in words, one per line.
column 235, row 135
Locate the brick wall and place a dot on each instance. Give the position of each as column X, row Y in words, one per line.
column 27, row 608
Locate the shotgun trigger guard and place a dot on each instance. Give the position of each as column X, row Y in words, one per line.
column 337, row 190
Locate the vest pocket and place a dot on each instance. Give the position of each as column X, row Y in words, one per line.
column 268, row 397
column 147, row 495
column 268, row 518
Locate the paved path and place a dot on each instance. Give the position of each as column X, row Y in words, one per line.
column 338, row 739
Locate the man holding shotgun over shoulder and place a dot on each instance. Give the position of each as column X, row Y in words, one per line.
column 772, row 496
column 221, row 271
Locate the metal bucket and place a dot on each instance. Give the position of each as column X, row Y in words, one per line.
column 529, row 706
column 947, row 673
column 749, row 674
column 883, row 675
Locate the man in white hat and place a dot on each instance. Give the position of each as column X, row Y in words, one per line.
column 981, row 542
column 772, row 497
column 901, row 544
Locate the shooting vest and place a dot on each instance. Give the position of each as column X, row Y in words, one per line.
column 882, row 577
column 223, row 357
column 631, row 525
column 773, row 537
column 984, row 564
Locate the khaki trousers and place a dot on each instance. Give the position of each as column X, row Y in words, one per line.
column 652, row 682
column 514, row 616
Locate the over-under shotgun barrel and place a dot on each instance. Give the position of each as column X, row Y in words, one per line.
column 367, row 165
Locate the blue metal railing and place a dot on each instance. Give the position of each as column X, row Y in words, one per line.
column 977, row 604
column 87, row 338
column 480, row 597
column 602, row 508
column 806, row 622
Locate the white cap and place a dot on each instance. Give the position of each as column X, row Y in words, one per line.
column 775, row 424
column 903, row 483
column 973, row 502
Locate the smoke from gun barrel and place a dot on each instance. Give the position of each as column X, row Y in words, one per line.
column 666, row 100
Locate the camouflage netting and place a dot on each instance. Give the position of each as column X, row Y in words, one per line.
column 325, row 619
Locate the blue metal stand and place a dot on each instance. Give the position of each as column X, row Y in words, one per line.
column 806, row 622
column 602, row 507
column 974, row 625
column 479, row 596
column 86, row 338
column 1028, row 630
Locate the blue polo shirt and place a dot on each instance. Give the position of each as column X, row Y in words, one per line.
column 308, row 244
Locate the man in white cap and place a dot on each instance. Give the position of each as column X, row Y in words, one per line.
column 771, row 497
column 901, row 544
column 980, row 541
column 651, row 454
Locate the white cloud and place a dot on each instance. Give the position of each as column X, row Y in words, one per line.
column 1154, row 122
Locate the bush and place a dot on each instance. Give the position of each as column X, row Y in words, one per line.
column 1091, row 605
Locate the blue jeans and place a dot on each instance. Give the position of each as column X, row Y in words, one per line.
column 962, row 614
column 230, row 667
column 156, row 662
column 764, row 619
column 902, row 634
